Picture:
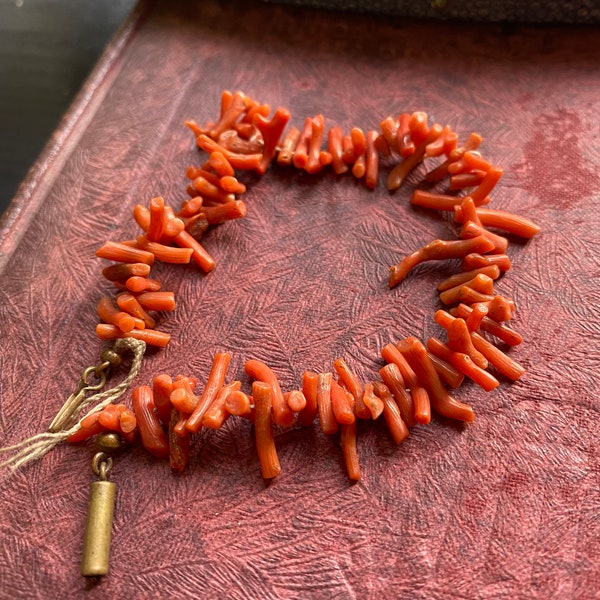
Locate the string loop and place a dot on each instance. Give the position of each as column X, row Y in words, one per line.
column 68, row 420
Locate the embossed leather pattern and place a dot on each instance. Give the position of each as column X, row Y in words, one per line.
column 506, row 507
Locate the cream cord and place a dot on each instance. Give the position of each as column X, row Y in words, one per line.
column 40, row 444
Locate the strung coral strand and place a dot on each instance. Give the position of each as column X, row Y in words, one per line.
column 245, row 138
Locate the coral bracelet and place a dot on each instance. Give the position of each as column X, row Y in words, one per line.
column 416, row 375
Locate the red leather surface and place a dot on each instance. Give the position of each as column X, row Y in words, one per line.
column 506, row 507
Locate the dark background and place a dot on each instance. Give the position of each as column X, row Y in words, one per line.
column 47, row 49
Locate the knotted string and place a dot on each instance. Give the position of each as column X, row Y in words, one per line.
column 40, row 444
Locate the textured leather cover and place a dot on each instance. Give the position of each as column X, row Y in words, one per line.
column 506, row 507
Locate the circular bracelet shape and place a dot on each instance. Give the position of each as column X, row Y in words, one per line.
column 305, row 286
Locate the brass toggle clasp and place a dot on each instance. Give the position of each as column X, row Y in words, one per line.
column 98, row 528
